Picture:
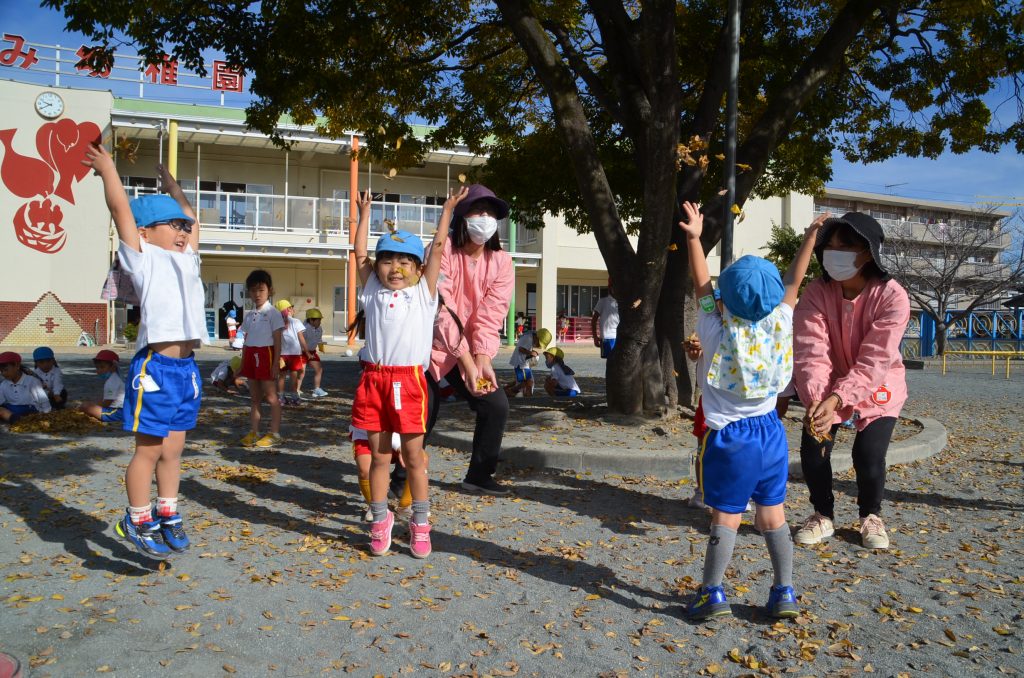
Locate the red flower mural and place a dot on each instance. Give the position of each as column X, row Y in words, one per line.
column 61, row 146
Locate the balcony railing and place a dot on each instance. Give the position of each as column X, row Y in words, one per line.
column 915, row 230
column 302, row 215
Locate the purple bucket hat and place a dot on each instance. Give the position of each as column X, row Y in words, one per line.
column 481, row 192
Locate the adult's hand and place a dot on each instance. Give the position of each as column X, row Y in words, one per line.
column 485, row 370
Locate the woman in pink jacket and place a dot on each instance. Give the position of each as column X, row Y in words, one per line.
column 847, row 330
column 476, row 285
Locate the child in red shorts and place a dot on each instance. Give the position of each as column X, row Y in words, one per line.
column 263, row 327
column 400, row 301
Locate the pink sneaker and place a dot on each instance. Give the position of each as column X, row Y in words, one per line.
column 419, row 540
column 380, row 535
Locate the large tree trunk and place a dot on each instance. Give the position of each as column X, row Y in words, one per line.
column 941, row 329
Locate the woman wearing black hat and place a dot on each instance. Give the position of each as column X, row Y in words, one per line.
column 847, row 330
column 476, row 284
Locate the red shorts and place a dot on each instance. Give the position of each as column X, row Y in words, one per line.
column 293, row 363
column 391, row 399
column 257, row 362
column 315, row 358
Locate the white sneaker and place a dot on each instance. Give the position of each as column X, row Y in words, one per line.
column 319, row 393
column 814, row 530
column 872, row 533
column 368, row 516
column 696, row 501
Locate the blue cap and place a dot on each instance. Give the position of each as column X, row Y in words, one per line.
column 149, row 210
column 751, row 287
column 232, row 314
column 401, row 242
column 43, row 353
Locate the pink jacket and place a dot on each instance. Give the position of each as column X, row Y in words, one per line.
column 852, row 347
column 479, row 291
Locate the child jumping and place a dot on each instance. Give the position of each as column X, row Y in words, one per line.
column 400, row 299
column 561, row 382
column 159, row 246
column 314, row 335
column 109, row 409
column 50, row 374
column 21, row 392
column 293, row 353
column 524, row 357
column 262, row 327
column 744, row 454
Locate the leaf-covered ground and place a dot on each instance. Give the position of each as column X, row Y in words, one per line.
column 574, row 574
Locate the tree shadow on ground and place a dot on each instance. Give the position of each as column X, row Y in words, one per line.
column 895, row 496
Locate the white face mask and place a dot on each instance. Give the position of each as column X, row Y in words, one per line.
column 839, row 264
column 481, row 228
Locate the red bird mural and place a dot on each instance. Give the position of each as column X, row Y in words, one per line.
column 23, row 176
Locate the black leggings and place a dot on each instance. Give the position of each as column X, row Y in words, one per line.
column 491, row 416
column 869, row 449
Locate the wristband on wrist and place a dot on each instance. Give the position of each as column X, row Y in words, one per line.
column 839, row 400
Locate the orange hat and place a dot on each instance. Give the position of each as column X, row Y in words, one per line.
column 107, row 355
column 8, row 357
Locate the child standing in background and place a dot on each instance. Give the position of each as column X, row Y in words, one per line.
column 159, row 246
column 293, row 353
column 263, row 327
column 50, row 374
column 21, row 392
column 232, row 324
column 110, row 408
column 314, row 335
column 744, row 455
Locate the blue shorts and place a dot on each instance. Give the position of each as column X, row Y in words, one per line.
column 748, row 459
column 569, row 392
column 174, row 407
column 112, row 415
column 523, row 374
column 19, row 411
column 606, row 347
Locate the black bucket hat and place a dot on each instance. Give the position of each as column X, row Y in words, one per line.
column 863, row 225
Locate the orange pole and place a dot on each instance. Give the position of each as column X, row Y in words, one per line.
column 353, row 219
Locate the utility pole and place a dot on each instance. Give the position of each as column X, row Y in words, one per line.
column 730, row 130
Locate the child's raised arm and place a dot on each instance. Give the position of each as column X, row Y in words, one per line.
column 97, row 158
column 693, row 226
column 363, row 267
column 433, row 267
column 798, row 267
column 171, row 187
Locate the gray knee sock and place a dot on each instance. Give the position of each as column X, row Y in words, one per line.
column 420, row 509
column 718, row 555
column 780, row 548
column 380, row 510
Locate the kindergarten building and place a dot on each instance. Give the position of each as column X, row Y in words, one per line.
column 286, row 211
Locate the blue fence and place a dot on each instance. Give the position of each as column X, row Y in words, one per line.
column 977, row 331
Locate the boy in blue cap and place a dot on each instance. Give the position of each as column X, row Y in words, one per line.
column 159, row 249
column 400, row 300
column 748, row 335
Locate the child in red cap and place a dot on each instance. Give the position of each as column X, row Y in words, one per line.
column 110, row 409
column 21, row 392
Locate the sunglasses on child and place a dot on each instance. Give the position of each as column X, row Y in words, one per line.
column 176, row 224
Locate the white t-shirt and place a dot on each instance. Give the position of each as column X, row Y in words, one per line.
column 220, row 372
column 399, row 323
column 290, row 338
column 565, row 381
column 608, row 309
column 28, row 391
column 113, row 390
column 314, row 336
column 171, row 294
column 260, row 324
column 53, row 381
column 721, row 408
column 520, row 359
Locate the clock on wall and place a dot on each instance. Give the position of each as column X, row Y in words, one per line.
column 49, row 105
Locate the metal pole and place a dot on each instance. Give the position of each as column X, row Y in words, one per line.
column 730, row 131
column 510, row 332
column 353, row 219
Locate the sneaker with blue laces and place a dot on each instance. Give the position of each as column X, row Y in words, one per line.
column 172, row 529
column 708, row 602
column 782, row 602
column 146, row 538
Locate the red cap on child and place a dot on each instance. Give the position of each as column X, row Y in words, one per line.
column 9, row 357
column 107, row 355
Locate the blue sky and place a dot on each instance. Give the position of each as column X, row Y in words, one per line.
column 962, row 179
